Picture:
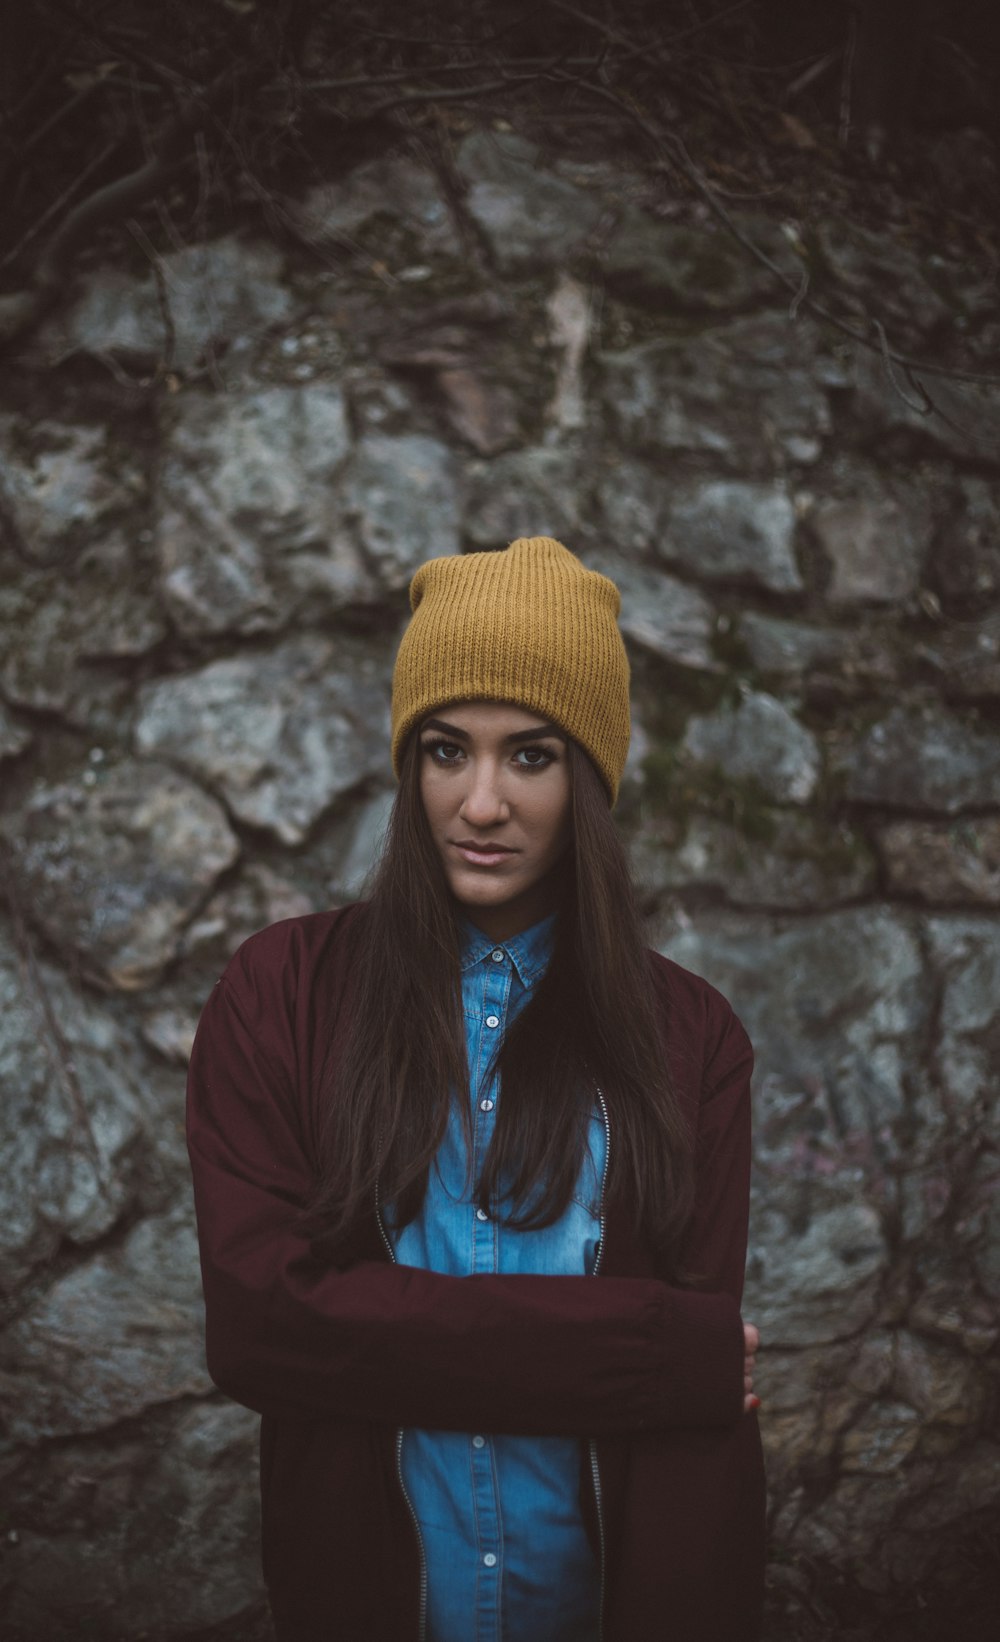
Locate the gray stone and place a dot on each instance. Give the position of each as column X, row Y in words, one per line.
column 730, row 531
column 70, row 1121
column 758, row 741
column 635, row 502
column 942, row 1386
column 791, row 648
column 247, row 527
column 789, row 861
column 55, row 625
column 681, row 269
column 833, row 1013
column 751, row 393
column 171, row 1033
column 965, row 953
column 115, row 860
column 957, row 419
column 109, row 1339
column 14, row 736
column 401, row 496
column 660, row 614
column 265, row 514
column 862, row 262
column 947, row 862
column 280, row 735
column 966, row 561
column 258, row 896
column 876, row 548
column 391, row 189
column 363, row 848
column 535, row 492
column 216, row 291
column 528, row 215
column 926, row 760
column 965, row 657
column 834, row 1006
column 61, row 481
column 155, row 1533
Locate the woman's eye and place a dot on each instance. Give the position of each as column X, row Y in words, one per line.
column 443, row 752
column 533, row 758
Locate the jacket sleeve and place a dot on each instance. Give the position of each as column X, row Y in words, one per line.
column 287, row 1334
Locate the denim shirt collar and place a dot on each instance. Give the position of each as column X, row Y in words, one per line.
column 529, row 952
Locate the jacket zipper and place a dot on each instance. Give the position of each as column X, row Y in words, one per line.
column 594, row 1467
column 422, row 1625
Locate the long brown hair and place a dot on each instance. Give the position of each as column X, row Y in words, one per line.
column 590, row 1024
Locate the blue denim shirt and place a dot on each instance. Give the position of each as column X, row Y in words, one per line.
column 507, row 1556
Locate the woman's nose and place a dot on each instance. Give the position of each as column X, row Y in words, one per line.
column 484, row 803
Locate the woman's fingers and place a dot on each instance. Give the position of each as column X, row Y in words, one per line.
column 751, row 1340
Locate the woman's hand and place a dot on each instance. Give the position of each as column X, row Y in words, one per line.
column 751, row 1340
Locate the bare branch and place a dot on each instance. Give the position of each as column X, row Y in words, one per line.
column 670, row 147
column 22, row 310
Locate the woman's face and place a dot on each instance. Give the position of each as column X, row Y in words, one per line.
column 495, row 782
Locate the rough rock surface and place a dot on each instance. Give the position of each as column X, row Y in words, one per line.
column 876, row 548
column 759, row 741
column 202, row 580
column 266, row 511
column 534, row 492
column 729, row 530
column 750, row 394
column 14, row 736
column 349, row 212
column 661, row 614
column 938, row 861
column 280, row 735
column 114, row 862
column 791, row 861
column 115, row 1337
column 70, row 1119
column 527, row 214
column 215, row 292
column 926, row 760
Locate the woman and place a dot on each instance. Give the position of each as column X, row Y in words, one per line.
column 422, row 1127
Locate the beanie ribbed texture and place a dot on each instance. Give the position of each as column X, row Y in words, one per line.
column 529, row 625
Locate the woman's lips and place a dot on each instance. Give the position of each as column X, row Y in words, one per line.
column 482, row 855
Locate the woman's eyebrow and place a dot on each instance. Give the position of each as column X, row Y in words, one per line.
column 536, row 733
column 447, row 729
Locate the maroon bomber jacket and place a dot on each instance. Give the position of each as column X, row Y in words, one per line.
column 337, row 1355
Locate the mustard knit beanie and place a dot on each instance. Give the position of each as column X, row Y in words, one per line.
column 529, row 625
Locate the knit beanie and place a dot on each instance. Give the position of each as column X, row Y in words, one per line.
column 529, row 625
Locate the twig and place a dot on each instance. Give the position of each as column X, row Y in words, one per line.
column 41, row 132
column 846, row 78
column 670, row 148
column 58, row 205
column 922, row 406
column 814, row 72
column 162, row 294
column 800, row 295
column 22, row 310
column 708, row 22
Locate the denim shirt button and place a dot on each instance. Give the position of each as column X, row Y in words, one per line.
column 481, row 1214
column 493, row 1020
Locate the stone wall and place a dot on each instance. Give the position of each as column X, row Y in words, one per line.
column 208, row 532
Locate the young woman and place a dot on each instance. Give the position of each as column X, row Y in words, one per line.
column 471, row 1172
